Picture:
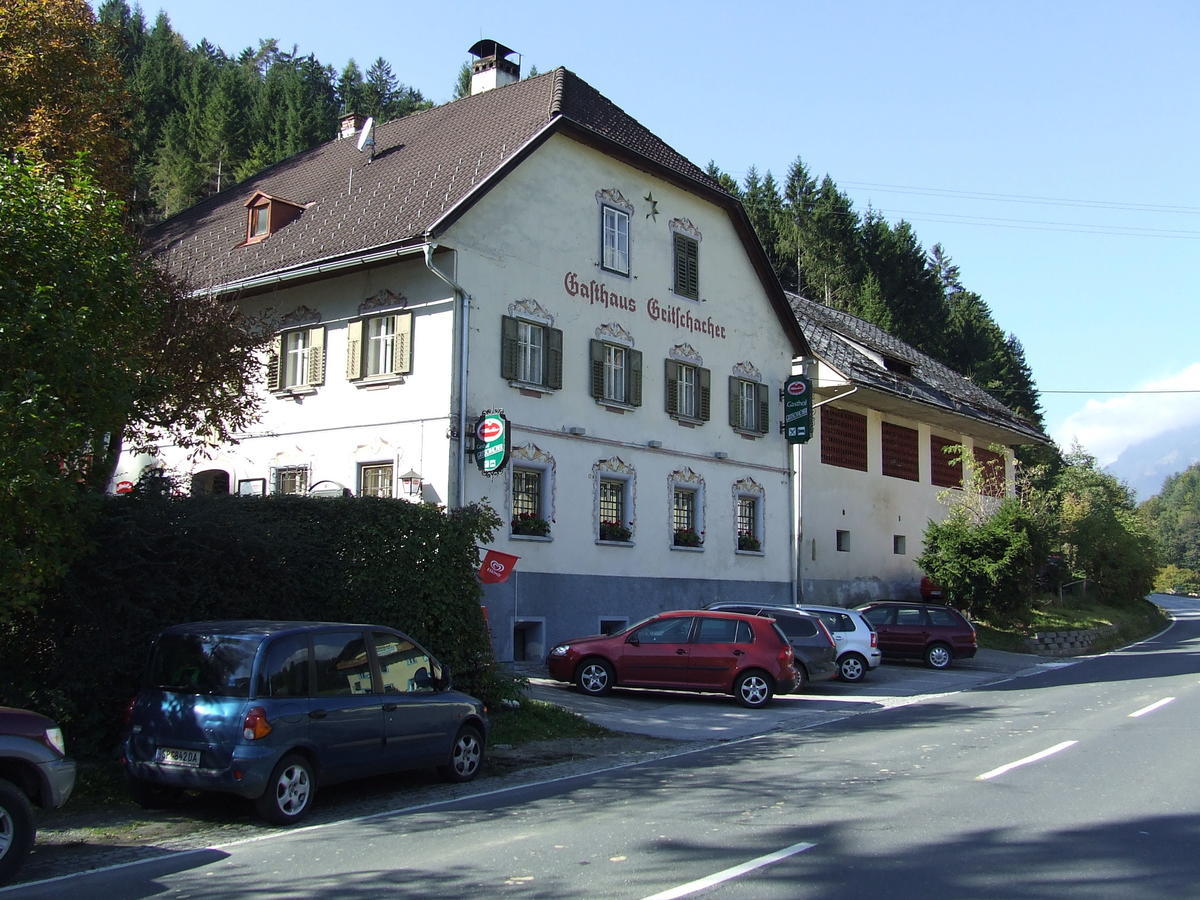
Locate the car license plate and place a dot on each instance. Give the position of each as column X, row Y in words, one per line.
column 171, row 756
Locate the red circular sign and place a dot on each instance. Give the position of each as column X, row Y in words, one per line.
column 124, row 487
column 796, row 388
column 490, row 429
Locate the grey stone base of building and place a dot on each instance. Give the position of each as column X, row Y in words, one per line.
column 533, row 611
column 1066, row 643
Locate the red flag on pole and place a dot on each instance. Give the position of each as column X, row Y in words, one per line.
column 496, row 567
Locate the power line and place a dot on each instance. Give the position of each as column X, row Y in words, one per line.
column 1182, row 391
column 1024, row 198
column 1035, row 225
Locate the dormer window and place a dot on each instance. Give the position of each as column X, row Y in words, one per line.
column 267, row 214
column 899, row 366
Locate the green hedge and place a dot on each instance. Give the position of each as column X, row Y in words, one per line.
column 156, row 562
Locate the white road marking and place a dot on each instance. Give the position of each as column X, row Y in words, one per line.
column 1151, row 708
column 1049, row 751
column 729, row 874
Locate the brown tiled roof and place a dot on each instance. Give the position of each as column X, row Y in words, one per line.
column 833, row 334
column 424, row 172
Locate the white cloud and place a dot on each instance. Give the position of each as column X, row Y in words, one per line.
column 1106, row 427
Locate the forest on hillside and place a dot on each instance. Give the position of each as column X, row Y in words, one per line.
column 202, row 119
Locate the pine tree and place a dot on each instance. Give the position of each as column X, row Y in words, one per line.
column 351, row 90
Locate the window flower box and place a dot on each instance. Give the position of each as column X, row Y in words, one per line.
column 529, row 524
column 614, row 531
column 688, row 537
column 747, row 541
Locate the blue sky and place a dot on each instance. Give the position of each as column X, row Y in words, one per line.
column 1051, row 148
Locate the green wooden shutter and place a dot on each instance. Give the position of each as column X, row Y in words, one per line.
column 687, row 267
column 764, row 409
column 509, row 349
column 316, row 355
column 596, row 357
column 634, row 381
column 274, row 366
column 705, row 381
column 672, row 381
column 354, row 350
column 735, row 403
column 554, row 341
column 402, row 345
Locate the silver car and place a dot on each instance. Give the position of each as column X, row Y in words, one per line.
column 857, row 643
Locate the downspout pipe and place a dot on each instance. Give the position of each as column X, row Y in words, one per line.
column 462, row 309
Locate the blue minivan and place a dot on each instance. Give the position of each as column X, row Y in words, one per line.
column 269, row 710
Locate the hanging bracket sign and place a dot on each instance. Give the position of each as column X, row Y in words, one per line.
column 491, row 442
column 797, row 410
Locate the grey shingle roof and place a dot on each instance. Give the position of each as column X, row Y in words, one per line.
column 832, row 335
column 425, row 166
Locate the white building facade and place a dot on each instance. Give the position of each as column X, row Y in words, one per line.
column 533, row 250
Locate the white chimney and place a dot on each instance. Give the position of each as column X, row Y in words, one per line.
column 492, row 68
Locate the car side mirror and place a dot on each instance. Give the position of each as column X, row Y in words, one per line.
column 443, row 682
column 633, row 639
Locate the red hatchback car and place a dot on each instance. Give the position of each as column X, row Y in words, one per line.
column 687, row 650
column 930, row 631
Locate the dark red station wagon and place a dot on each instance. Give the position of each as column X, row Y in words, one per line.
column 930, row 631
column 689, row 650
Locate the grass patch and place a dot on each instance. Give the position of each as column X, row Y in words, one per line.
column 536, row 720
column 1132, row 621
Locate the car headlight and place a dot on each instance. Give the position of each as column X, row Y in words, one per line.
column 561, row 650
column 54, row 737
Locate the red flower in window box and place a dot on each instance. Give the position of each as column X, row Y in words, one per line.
column 614, row 531
column 529, row 524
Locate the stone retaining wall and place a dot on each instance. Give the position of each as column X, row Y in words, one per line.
column 1066, row 643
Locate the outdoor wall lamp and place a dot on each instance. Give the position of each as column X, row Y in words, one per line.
column 412, row 482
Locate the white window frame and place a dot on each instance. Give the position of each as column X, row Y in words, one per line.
column 616, row 373
column 614, row 240
column 381, row 337
column 531, row 361
column 688, row 398
column 748, row 399
column 296, row 351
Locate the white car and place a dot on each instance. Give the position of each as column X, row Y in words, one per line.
column 857, row 643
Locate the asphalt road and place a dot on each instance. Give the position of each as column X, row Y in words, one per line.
column 1075, row 781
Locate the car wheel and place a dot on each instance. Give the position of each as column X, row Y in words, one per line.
column 466, row 755
column 938, row 656
column 852, row 667
column 753, row 689
column 594, row 677
column 289, row 792
column 801, row 679
column 148, row 795
column 17, row 829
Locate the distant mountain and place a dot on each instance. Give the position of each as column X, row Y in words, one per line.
column 1146, row 465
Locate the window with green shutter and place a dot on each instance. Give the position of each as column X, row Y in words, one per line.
column 530, row 353
column 616, row 373
column 689, row 391
column 749, row 407
column 687, row 267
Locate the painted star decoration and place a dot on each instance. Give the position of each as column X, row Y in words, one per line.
column 653, row 214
